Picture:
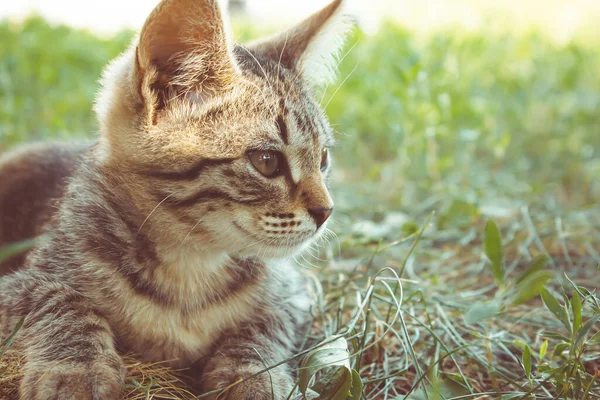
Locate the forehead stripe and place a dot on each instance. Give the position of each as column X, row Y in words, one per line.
column 306, row 124
column 301, row 122
column 282, row 127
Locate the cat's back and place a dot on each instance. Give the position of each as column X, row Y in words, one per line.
column 32, row 181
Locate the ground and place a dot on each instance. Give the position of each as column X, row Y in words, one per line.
column 465, row 260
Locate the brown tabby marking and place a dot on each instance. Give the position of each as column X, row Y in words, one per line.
column 164, row 238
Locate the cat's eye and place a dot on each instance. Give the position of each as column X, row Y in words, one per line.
column 324, row 158
column 265, row 162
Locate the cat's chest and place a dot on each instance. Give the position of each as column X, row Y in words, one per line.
column 178, row 336
column 202, row 306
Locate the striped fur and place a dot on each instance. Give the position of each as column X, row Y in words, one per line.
column 162, row 238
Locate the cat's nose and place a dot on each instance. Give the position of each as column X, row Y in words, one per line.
column 320, row 215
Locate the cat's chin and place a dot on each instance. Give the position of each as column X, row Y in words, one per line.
column 262, row 247
column 276, row 251
column 287, row 251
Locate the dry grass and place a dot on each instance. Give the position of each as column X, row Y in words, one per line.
column 144, row 380
column 426, row 348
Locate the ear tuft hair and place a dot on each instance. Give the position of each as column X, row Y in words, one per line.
column 313, row 46
column 319, row 61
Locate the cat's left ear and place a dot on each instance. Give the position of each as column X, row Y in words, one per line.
column 311, row 47
column 185, row 45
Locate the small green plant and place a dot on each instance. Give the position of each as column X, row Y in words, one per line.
column 565, row 369
column 513, row 290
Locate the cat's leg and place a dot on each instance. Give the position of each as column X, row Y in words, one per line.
column 67, row 343
column 268, row 339
column 241, row 358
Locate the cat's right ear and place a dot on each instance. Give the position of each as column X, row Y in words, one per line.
column 312, row 46
column 185, row 46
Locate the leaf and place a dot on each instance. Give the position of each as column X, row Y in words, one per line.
column 15, row 249
column 543, row 350
column 519, row 344
column 439, row 389
column 331, row 354
column 493, row 250
column 481, row 311
column 357, row 386
column 536, row 265
column 576, row 307
column 527, row 361
column 4, row 346
column 580, row 289
column 531, row 286
column 554, row 306
column 456, row 378
column 555, row 336
column 560, row 348
column 337, row 385
column 585, row 329
column 542, row 368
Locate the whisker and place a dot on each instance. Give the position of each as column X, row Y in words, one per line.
column 337, row 239
column 155, row 208
column 337, row 67
column 341, row 84
column 194, row 227
column 309, row 263
column 280, row 57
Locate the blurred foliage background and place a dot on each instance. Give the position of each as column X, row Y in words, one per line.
column 468, row 113
column 470, row 116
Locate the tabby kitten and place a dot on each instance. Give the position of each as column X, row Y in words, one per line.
column 171, row 236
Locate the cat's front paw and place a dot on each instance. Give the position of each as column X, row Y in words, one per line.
column 73, row 381
column 275, row 384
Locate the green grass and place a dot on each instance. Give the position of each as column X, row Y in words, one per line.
column 438, row 135
column 470, row 112
column 48, row 79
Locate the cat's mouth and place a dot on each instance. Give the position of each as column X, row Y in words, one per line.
column 283, row 242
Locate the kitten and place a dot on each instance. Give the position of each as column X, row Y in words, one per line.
column 171, row 236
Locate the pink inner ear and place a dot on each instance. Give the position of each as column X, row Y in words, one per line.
column 164, row 50
column 176, row 28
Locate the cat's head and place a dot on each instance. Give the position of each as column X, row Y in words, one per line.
column 224, row 145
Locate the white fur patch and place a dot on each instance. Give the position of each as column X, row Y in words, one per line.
column 319, row 61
